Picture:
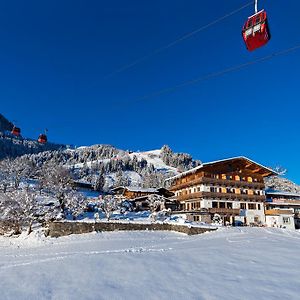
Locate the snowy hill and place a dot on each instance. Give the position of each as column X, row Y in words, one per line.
column 108, row 165
column 11, row 146
column 116, row 166
column 282, row 184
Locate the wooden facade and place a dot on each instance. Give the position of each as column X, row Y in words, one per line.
column 136, row 192
column 232, row 188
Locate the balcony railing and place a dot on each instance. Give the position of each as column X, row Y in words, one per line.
column 229, row 196
column 221, row 182
column 230, row 211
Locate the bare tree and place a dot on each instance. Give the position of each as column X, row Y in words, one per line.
column 108, row 205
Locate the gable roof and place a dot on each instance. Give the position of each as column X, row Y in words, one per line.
column 266, row 171
column 135, row 189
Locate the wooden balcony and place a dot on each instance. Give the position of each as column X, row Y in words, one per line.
column 227, row 211
column 229, row 196
column 190, row 196
column 220, row 182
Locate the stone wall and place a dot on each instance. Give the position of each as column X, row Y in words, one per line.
column 57, row 229
column 9, row 227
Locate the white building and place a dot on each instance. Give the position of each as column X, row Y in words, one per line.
column 232, row 188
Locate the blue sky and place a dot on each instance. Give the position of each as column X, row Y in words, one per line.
column 55, row 57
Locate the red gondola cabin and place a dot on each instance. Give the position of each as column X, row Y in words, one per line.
column 16, row 131
column 42, row 139
column 256, row 32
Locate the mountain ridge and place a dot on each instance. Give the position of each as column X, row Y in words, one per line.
column 115, row 166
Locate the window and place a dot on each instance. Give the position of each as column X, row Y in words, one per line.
column 245, row 192
column 258, row 206
column 196, row 218
column 198, row 189
column 249, row 23
column 243, row 205
column 229, row 205
column 215, row 204
column 286, row 220
column 213, row 189
column 257, row 20
column 222, row 204
column 251, row 206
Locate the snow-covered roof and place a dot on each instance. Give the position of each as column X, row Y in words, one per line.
column 191, row 171
column 136, row 189
column 281, row 193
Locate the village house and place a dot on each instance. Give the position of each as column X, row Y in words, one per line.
column 135, row 192
column 139, row 197
column 282, row 209
column 232, row 189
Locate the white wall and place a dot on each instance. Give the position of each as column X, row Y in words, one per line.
column 277, row 221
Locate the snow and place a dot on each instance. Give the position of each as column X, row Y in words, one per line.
column 231, row 263
column 282, row 193
column 153, row 157
column 137, row 189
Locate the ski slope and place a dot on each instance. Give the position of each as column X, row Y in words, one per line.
column 232, row 263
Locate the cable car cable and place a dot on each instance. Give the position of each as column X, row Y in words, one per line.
column 177, row 41
column 216, row 74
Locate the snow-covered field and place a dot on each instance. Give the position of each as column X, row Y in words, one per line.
column 231, row 263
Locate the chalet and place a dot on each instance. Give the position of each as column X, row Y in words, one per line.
column 139, row 197
column 135, row 192
column 233, row 189
column 282, row 209
column 83, row 184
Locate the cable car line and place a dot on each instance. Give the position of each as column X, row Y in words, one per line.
column 217, row 74
column 177, row 41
